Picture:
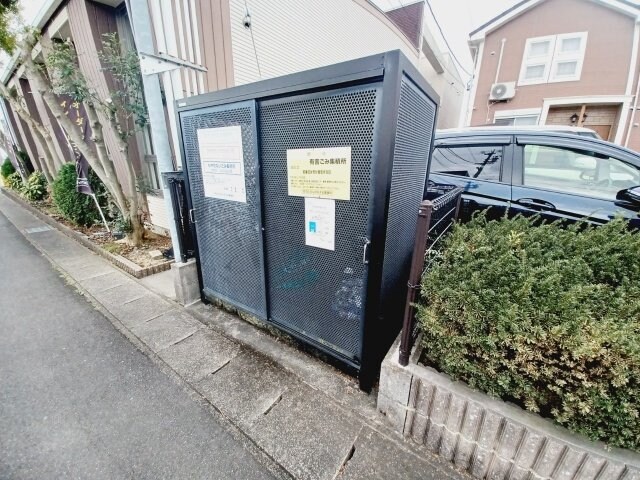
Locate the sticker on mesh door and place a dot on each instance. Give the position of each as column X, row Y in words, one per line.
column 320, row 222
column 222, row 163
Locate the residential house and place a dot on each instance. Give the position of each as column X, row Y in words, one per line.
column 200, row 46
column 559, row 62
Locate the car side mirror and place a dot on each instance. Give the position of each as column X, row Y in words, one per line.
column 631, row 195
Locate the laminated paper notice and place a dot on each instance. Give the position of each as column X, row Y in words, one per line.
column 320, row 222
column 222, row 163
column 320, row 172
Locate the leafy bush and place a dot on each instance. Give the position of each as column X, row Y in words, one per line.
column 546, row 317
column 6, row 168
column 14, row 181
column 35, row 188
column 76, row 207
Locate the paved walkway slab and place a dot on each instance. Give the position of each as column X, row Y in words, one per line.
column 200, row 355
column 310, row 419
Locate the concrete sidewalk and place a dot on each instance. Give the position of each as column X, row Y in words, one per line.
column 310, row 419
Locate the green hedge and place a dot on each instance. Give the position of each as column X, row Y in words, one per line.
column 14, row 181
column 546, row 317
column 35, row 188
column 76, row 207
column 6, row 168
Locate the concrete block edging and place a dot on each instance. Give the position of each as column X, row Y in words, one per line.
column 485, row 436
column 119, row 261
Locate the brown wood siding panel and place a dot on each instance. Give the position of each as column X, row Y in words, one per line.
column 29, row 142
column 14, row 125
column 88, row 21
column 65, row 149
column 606, row 62
column 27, row 94
column 215, row 32
column 200, row 40
column 25, row 91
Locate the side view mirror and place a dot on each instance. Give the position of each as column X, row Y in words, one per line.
column 631, row 195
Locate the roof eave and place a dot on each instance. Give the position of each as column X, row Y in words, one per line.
column 478, row 35
column 42, row 17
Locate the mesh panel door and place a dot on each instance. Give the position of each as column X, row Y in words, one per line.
column 416, row 116
column 229, row 232
column 318, row 293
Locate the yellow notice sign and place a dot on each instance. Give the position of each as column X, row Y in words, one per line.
column 320, row 172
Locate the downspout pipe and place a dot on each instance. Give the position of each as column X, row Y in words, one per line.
column 142, row 34
column 502, row 42
column 633, row 113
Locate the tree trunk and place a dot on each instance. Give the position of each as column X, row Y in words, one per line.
column 137, row 226
column 42, row 136
column 44, row 167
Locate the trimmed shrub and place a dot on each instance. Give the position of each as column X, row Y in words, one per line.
column 6, row 168
column 76, row 207
column 543, row 316
column 35, row 189
column 14, row 181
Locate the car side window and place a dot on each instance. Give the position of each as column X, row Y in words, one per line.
column 578, row 172
column 481, row 161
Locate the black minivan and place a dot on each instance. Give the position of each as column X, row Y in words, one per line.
column 556, row 174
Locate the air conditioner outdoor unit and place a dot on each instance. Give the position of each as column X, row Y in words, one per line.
column 502, row 91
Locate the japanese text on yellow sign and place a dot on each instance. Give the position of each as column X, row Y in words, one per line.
column 320, row 172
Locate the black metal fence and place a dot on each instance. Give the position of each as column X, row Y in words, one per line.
column 180, row 203
column 436, row 217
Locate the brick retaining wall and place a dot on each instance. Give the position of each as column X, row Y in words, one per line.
column 486, row 437
column 118, row 260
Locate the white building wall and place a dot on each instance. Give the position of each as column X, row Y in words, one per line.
column 157, row 211
column 295, row 35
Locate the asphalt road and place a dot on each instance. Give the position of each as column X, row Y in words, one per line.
column 78, row 400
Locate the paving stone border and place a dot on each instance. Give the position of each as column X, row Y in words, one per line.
column 485, row 436
column 119, row 261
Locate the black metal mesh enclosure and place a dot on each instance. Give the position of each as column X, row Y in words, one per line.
column 344, row 299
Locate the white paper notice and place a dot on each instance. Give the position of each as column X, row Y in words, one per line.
column 222, row 163
column 320, row 222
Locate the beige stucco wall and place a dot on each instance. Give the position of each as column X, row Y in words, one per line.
column 606, row 63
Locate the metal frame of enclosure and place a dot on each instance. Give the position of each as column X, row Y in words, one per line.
column 347, row 301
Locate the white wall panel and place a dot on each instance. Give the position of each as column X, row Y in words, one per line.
column 295, row 35
column 157, row 211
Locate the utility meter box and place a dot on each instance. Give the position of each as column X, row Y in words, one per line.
column 305, row 191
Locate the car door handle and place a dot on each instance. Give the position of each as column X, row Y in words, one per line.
column 535, row 203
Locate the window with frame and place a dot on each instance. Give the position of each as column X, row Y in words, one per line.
column 554, row 58
column 480, row 161
column 577, row 172
column 517, row 120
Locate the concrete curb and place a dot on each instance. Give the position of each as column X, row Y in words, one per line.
column 485, row 436
column 119, row 261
